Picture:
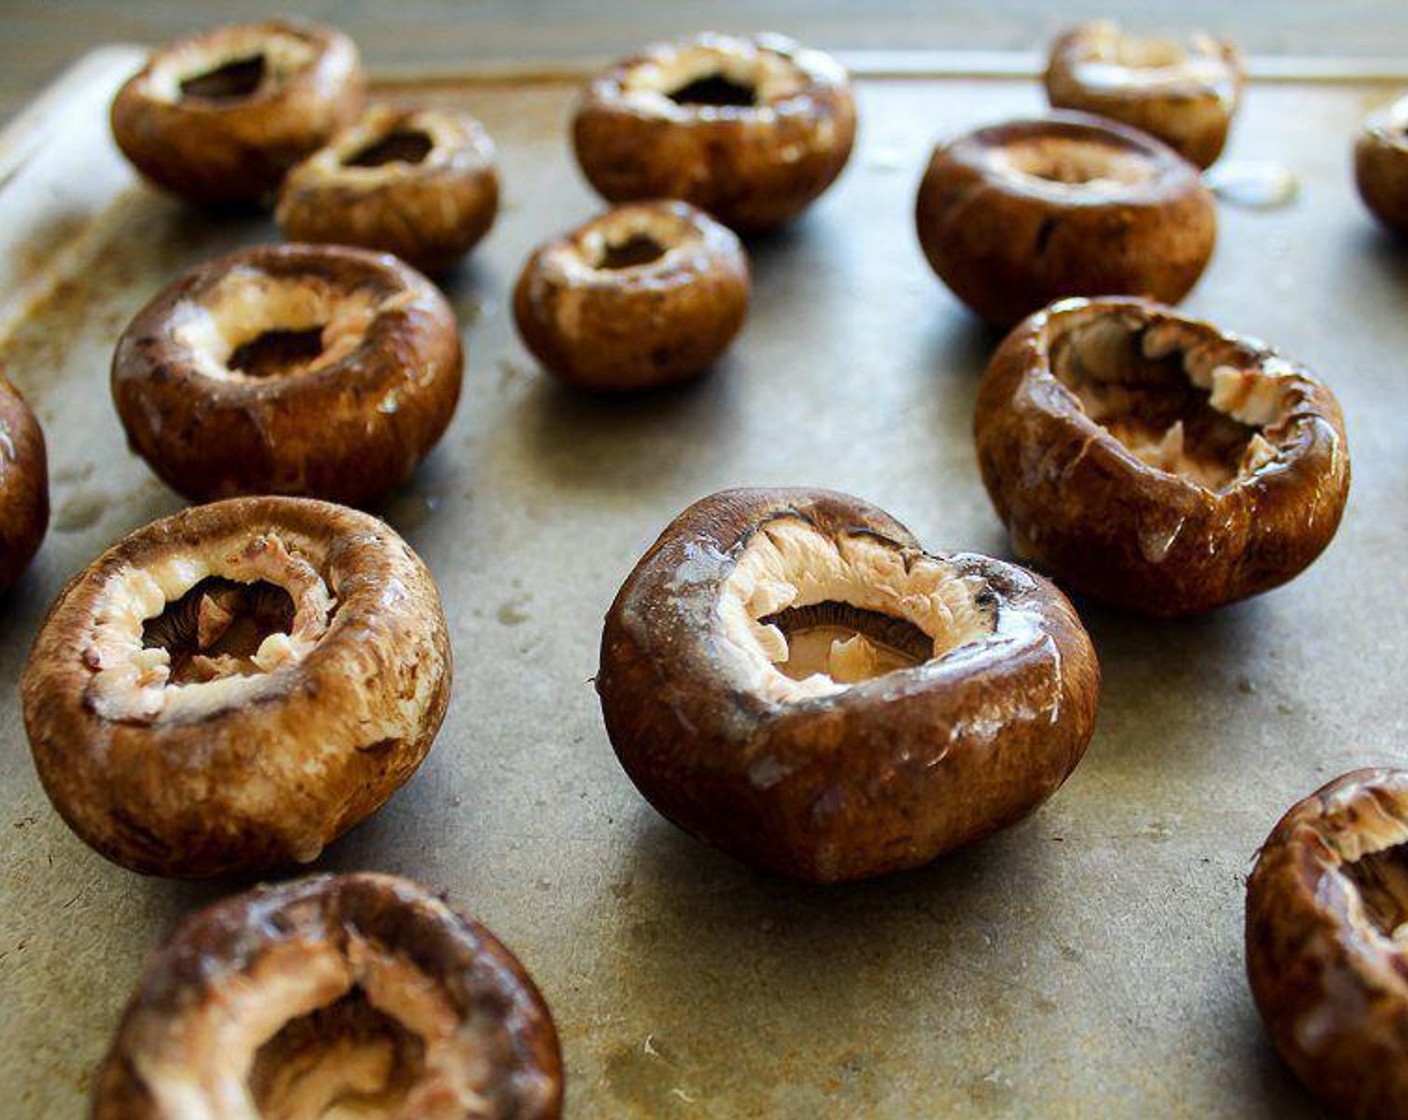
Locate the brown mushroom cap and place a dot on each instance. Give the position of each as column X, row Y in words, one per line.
column 1327, row 942
column 1016, row 215
column 231, row 688
column 1183, row 92
column 24, row 485
column 641, row 296
column 751, row 129
column 786, row 675
column 355, row 990
column 289, row 369
column 1154, row 462
column 218, row 118
column 1381, row 165
column 419, row 183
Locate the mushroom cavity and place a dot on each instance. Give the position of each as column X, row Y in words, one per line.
column 715, row 73
column 404, row 145
column 234, row 66
column 1171, row 403
column 814, row 613
column 252, row 324
column 355, row 1032
column 1381, row 878
column 1110, row 58
column 1071, row 161
column 201, row 629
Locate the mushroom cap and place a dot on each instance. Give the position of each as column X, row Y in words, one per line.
column 751, row 166
column 1381, row 165
column 429, row 212
column 1008, row 240
column 24, row 485
column 826, row 782
column 1332, row 984
column 256, row 771
column 221, row 152
column 637, row 327
column 232, row 975
column 1108, row 524
column 346, row 428
column 1183, row 93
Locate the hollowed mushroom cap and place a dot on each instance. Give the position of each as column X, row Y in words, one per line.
column 751, row 129
column 24, row 485
column 1017, row 215
column 359, row 992
column 641, row 296
column 1381, row 165
column 1154, row 462
column 218, row 118
column 170, row 753
column 886, row 757
column 1327, row 943
column 349, row 368
column 419, row 183
column 1183, row 92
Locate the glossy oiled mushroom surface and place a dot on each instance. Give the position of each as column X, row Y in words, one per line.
column 1184, row 90
column 789, row 676
column 1327, row 942
column 1155, row 462
column 749, row 128
column 231, row 688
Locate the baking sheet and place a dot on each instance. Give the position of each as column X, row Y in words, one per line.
column 1085, row 963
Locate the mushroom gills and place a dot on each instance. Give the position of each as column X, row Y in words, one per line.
column 345, row 1061
column 715, row 89
column 216, row 628
column 637, row 249
column 847, row 643
column 277, row 352
column 1147, row 390
column 1381, row 878
column 232, row 80
column 404, row 145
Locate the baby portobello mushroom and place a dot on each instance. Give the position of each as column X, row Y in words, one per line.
column 787, row 675
column 419, row 183
column 24, row 485
column 644, row 295
column 751, row 129
column 1016, row 215
column 1154, row 462
column 219, row 118
column 332, row 996
column 1327, row 942
column 231, row 688
column 310, row 370
column 1183, row 92
column 1381, row 165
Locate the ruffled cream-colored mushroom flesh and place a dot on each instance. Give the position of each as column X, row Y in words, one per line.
column 1370, row 839
column 254, row 325
column 198, row 631
column 325, row 1032
column 809, row 614
column 1174, row 400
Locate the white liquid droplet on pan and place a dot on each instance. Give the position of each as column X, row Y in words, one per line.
column 1254, row 184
